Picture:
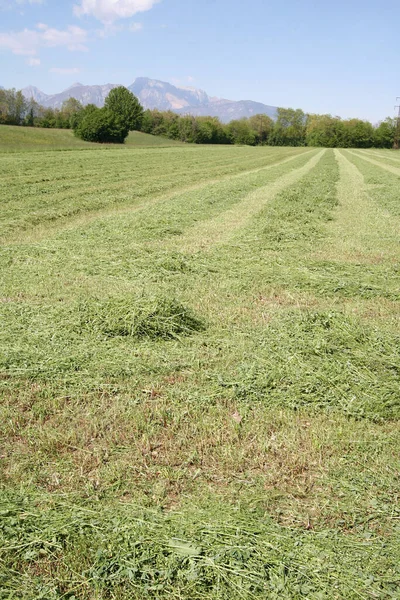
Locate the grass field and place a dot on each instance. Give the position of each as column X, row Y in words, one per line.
column 26, row 139
column 199, row 372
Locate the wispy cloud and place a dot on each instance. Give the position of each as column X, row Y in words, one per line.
column 135, row 27
column 65, row 71
column 182, row 82
column 29, row 41
column 33, row 62
column 109, row 30
column 109, row 11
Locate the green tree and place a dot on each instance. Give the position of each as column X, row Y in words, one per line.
column 13, row 107
column 70, row 109
column 19, row 107
column 210, row 131
column 239, row 132
column 48, row 118
column 101, row 125
column 357, row 134
column 262, row 125
column 289, row 129
column 324, row 131
column 122, row 103
column 3, row 106
column 384, row 133
column 32, row 112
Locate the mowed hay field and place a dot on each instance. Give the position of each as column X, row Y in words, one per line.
column 199, row 373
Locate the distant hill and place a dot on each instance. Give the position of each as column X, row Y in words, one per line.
column 227, row 110
column 33, row 92
column 165, row 96
column 87, row 94
column 162, row 95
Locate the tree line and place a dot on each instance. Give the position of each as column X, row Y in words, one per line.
column 292, row 127
column 122, row 112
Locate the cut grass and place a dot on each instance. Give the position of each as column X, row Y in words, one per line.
column 255, row 457
column 325, row 360
column 160, row 318
column 125, row 552
column 97, row 182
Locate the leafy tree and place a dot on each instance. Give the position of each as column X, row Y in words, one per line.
column 13, row 107
column 239, row 132
column 101, row 125
column 186, row 129
column 357, row 134
column 122, row 103
column 70, row 109
column 19, row 107
column 289, row 129
column 324, row 131
column 3, row 106
column 159, row 122
column 211, row 131
column 263, row 126
column 32, row 113
column 48, row 118
column 71, row 106
column 198, row 130
column 384, row 133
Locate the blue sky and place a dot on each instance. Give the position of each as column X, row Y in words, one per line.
column 328, row 57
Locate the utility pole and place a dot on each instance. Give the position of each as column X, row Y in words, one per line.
column 396, row 142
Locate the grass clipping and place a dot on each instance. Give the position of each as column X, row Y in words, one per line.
column 158, row 318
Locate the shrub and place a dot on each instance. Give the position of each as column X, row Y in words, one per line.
column 100, row 125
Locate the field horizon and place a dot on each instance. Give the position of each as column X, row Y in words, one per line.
column 199, row 370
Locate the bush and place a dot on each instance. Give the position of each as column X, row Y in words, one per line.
column 100, row 125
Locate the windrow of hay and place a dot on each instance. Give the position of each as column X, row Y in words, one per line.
column 158, row 318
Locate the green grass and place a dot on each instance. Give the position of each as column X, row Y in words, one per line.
column 27, row 139
column 199, row 372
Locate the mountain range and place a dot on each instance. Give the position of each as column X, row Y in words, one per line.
column 158, row 94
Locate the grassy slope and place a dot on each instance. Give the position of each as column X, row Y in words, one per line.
column 23, row 139
column 146, row 455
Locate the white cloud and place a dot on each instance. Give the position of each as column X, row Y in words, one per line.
column 74, row 38
column 62, row 71
column 29, row 41
column 109, row 11
column 33, row 62
column 110, row 29
column 135, row 27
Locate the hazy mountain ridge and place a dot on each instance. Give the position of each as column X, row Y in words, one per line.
column 162, row 95
column 165, row 96
column 87, row 94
